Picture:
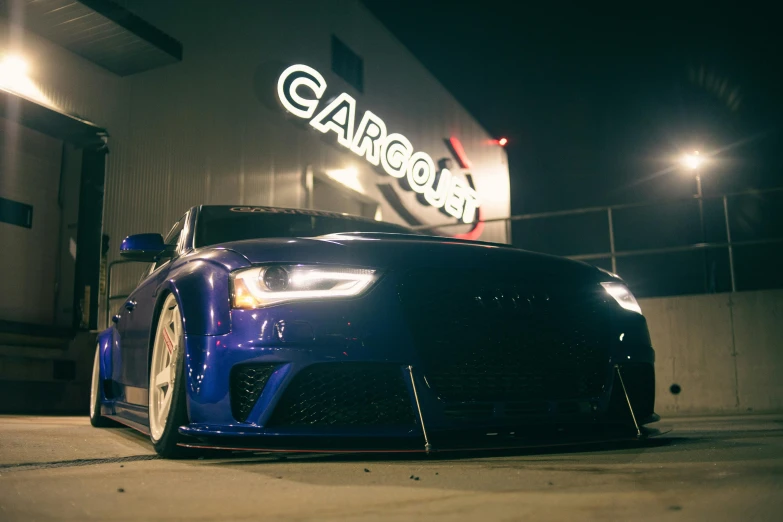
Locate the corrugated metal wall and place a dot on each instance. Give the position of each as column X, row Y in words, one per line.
column 196, row 133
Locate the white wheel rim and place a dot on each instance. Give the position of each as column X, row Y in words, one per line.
column 96, row 381
column 163, row 371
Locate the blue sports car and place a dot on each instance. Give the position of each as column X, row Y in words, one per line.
column 277, row 329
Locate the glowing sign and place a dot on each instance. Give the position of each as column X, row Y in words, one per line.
column 300, row 89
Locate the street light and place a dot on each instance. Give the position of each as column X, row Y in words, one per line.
column 693, row 162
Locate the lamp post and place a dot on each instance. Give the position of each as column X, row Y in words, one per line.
column 693, row 162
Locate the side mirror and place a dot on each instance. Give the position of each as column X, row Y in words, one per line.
column 144, row 247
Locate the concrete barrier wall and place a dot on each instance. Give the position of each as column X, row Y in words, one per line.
column 725, row 351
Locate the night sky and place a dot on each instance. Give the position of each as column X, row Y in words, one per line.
column 598, row 103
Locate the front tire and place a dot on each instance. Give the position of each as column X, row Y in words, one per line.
column 96, row 419
column 167, row 394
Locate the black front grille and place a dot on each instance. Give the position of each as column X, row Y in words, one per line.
column 524, row 409
column 499, row 337
column 247, row 383
column 471, row 411
column 345, row 394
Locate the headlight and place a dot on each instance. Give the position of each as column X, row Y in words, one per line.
column 623, row 296
column 258, row 287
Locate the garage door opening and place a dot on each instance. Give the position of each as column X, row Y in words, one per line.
column 29, row 188
column 51, row 203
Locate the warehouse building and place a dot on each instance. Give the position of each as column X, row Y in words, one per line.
column 116, row 117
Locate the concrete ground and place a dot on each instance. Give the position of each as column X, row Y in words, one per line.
column 715, row 469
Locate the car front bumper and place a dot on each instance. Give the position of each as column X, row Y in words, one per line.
column 374, row 332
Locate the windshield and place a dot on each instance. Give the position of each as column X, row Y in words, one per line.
column 224, row 224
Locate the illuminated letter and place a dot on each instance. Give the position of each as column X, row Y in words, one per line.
column 338, row 116
column 395, row 151
column 455, row 202
column 300, row 76
column 437, row 193
column 368, row 138
column 421, row 172
column 471, row 204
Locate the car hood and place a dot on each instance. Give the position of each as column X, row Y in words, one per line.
column 403, row 251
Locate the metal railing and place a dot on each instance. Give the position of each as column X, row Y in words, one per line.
column 614, row 254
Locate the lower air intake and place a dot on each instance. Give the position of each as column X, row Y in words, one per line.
column 345, row 394
column 247, row 383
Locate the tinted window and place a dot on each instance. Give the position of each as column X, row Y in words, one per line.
column 222, row 224
column 172, row 238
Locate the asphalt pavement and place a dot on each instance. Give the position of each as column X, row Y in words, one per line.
column 709, row 468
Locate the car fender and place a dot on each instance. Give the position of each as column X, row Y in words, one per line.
column 106, row 339
column 202, row 290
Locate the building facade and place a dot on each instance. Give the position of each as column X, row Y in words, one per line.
column 118, row 117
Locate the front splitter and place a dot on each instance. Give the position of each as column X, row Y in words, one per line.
column 440, row 442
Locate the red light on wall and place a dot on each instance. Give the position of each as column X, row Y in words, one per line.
column 459, row 152
column 475, row 232
column 502, row 142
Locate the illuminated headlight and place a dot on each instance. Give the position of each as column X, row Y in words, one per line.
column 623, row 296
column 258, row 287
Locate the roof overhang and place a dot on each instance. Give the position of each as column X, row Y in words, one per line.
column 97, row 30
column 49, row 121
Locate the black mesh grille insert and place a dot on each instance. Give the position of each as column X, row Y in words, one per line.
column 247, row 383
column 345, row 394
column 470, row 411
column 497, row 337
